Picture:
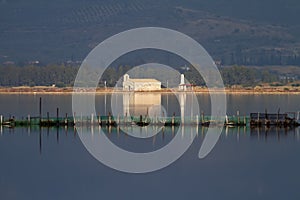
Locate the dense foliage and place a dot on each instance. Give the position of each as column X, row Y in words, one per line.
column 59, row 75
column 64, row 75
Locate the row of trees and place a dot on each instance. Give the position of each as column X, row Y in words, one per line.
column 240, row 75
column 62, row 75
column 260, row 57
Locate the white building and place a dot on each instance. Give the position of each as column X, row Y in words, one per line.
column 182, row 85
column 130, row 84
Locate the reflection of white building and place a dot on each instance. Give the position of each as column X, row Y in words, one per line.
column 136, row 104
column 130, row 84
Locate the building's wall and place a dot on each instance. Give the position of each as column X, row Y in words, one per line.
column 141, row 86
column 128, row 85
column 131, row 85
column 138, row 86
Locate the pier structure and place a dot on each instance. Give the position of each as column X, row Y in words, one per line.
column 274, row 119
column 289, row 119
column 254, row 120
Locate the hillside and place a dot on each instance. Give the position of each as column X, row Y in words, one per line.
column 233, row 31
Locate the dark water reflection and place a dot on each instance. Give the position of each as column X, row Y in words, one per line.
column 245, row 164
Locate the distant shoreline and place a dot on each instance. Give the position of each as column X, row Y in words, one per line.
column 198, row 90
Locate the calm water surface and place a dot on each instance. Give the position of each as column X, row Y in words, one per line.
column 245, row 164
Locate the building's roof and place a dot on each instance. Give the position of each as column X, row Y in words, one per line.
column 144, row 80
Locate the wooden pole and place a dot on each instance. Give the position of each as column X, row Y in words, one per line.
column 66, row 119
column 57, row 116
column 74, row 119
column 48, row 119
column 173, row 119
column 40, row 110
column 40, row 140
column 28, row 119
column 99, row 119
column 141, row 118
column 1, row 120
column 109, row 118
column 277, row 120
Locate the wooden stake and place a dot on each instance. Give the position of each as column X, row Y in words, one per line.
column 40, row 110
column 57, row 115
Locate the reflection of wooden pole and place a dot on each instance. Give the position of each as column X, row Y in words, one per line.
column 40, row 140
column 57, row 135
column 173, row 131
column 182, row 106
column 167, row 102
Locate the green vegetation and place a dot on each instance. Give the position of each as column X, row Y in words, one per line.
column 59, row 75
column 64, row 75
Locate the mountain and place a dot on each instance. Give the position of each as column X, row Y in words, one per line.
column 257, row 32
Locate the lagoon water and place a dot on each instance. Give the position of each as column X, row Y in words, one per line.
column 51, row 163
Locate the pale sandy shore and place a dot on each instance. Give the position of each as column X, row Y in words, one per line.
column 199, row 90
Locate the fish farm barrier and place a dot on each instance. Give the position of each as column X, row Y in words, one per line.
column 254, row 120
